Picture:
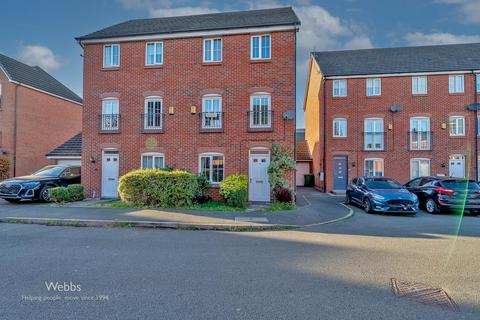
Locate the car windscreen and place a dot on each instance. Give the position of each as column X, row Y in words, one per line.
column 49, row 171
column 382, row 184
column 460, row 185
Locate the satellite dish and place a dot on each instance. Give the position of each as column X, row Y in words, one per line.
column 395, row 108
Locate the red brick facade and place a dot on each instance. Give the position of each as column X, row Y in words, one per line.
column 44, row 121
column 181, row 81
column 438, row 105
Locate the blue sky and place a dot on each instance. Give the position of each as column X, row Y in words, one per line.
column 42, row 32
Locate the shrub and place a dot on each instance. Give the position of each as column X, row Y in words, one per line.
column 158, row 188
column 76, row 191
column 281, row 163
column 59, row 194
column 202, row 194
column 234, row 189
column 4, row 168
column 283, row 195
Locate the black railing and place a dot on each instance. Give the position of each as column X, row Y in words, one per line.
column 211, row 121
column 260, row 119
column 373, row 141
column 152, row 122
column 420, row 140
column 109, row 123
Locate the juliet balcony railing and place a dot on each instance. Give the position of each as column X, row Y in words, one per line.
column 152, row 122
column 211, row 121
column 420, row 140
column 260, row 120
column 109, row 123
column 374, row 141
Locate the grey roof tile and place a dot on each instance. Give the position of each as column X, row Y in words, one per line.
column 457, row 57
column 71, row 148
column 203, row 22
column 36, row 77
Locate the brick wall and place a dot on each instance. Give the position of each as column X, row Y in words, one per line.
column 181, row 82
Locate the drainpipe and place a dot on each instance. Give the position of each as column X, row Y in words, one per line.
column 476, row 123
column 295, row 117
column 324, row 135
column 15, row 112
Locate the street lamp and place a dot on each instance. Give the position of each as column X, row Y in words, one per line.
column 475, row 107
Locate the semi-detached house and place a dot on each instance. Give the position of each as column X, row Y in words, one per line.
column 397, row 112
column 206, row 93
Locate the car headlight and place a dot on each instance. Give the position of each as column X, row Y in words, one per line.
column 378, row 197
column 30, row 185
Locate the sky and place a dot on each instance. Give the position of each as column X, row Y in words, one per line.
column 41, row 32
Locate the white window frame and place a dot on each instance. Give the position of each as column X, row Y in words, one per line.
column 412, row 176
column 416, row 86
column 374, row 159
column 418, row 135
column 376, row 90
column 374, row 134
column 1, row 96
column 212, row 50
column 155, row 62
column 478, row 82
column 454, row 84
column 261, row 95
column 211, row 155
column 259, row 36
column 153, row 99
column 337, row 86
column 111, row 56
column 212, row 97
column 457, row 132
column 339, row 121
column 153, row 155
column 105, row 116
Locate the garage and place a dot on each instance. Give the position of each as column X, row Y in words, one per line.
column 68, row 153
column 304, row 162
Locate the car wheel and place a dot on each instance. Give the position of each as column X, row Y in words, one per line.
column 43, row 196
column 431, row 206
column 367, row 205
column 13, row 200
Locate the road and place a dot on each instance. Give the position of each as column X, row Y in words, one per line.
column 337, row 271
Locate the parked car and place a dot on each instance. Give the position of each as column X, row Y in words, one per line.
column 381, row 194
column 35, row 186
column 437, row 194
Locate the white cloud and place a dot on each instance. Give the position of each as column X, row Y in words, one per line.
column 39, row 56
column 469, row 9
column 419, row 38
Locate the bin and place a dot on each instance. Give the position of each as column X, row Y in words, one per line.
column 309, row 180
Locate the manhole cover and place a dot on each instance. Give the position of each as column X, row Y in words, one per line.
column 423, row 293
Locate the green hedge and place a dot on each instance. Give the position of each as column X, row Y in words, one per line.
column 74, row 192
column 4, row 168
column 234, row 189
column 158, row 188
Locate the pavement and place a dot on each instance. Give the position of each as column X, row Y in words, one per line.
column 313, row 208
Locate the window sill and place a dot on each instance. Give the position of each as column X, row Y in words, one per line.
column 109, row 131
column 419, row 94
column 110, row 68
column 213, row 63
column 373, row 97
column 457, row 137
column 382, row 150
column 264, row 129
column 339, row 98
column 340, row 138
column 146, row 131
column 154, row 66
column 456, row 93
column 213, row 130
column 260, row 61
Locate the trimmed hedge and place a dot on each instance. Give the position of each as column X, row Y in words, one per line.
column 74, row 192
column 159, row 188
column 234, row 189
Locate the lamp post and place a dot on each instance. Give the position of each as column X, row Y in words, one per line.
column 475, row 107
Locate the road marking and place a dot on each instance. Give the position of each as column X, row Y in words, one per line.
column 350, row 214
column 251, row 219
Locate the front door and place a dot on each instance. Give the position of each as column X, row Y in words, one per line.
column 340, row 174
column 457, row 166
column 110, row 174
column 258, row 185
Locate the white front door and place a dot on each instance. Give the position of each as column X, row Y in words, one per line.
column 258, row 186
column 110, row 174
column 457, row 167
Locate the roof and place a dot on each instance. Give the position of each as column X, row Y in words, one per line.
column 203, row 22
column 456, row 57
column 35, row 77
column 303, row 153
column 71, row 148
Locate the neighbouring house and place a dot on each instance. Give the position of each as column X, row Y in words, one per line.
column 206, row 93
column 397, row 112
column 302, row 157
column 37, row 113
column 69, row 152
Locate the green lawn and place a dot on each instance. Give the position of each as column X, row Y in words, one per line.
column 208, row 206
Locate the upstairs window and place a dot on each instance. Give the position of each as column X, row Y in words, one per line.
column 478, row 82
column 212, row 50
column 111, row 56
column 456, row 84
column 212, row 112
column 339, row 128
column 419, row 85
column 153, row 113
column 154, row 53
column 374, row 87
column 260, row 111
column 261, row 47
column 340, row 88
column 373, row 134
column 110, row 118
column 457, row 126
column 153, row 161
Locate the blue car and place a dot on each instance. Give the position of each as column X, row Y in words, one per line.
column 380, row 194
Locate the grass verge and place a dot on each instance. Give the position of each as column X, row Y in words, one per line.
column 207, row 206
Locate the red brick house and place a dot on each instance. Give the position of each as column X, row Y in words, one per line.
column 398, row 112
column 37, row 113
column 206, row 93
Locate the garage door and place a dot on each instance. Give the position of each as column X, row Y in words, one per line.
column 69, row 162
column 302, row 168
